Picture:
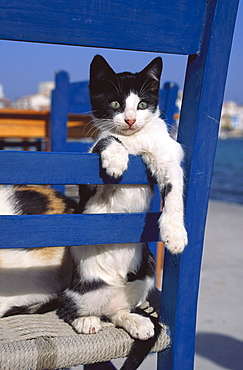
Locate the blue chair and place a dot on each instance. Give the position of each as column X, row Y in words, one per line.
column 67, row 98
column 203, row 31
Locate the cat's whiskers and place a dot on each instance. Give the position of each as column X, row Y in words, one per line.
column 105, row 124
column 90, row 126
column 92, row 131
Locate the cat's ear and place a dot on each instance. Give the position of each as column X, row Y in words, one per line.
column 100, row 69
column 153, row 70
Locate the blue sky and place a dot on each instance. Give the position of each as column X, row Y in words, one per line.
column 24, row 65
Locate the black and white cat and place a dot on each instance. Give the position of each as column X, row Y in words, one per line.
column 107, row 280
column 112, row 280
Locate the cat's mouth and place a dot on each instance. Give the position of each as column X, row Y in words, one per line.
column 129, row 130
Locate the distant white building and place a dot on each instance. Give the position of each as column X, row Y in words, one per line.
column 231, row 117
column 4, row 102
column 39, row 101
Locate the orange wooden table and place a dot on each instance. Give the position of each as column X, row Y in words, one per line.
column 30, row 124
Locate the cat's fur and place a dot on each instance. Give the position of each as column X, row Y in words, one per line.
column 108, row 280
column 32, row 277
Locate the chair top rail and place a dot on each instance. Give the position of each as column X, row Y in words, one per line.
column 89, row 23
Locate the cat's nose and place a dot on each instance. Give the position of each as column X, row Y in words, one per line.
column 130, row 122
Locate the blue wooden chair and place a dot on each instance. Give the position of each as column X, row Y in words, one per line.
column 203, row 31
column 67, row 98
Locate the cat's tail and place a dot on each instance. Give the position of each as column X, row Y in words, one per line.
column 141, row 348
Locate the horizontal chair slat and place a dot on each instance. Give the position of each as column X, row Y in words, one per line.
column 64, row 168
column 85, row 229
column 101, row 24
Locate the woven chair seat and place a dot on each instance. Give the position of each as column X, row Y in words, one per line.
column 43, row 341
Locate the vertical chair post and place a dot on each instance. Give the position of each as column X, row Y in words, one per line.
column 171, row 93
column 59, row 116
column 198, row 133
column 58, row 119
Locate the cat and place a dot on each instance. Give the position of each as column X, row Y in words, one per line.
column 32, row 277
column 112, row 280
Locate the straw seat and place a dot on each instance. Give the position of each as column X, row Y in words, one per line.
column 43, row 341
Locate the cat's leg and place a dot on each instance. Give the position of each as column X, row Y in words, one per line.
column 169, row 175
column 114, row 155
column 75, row 305
column 171, row 221
column 73, row 311
column 132, row 295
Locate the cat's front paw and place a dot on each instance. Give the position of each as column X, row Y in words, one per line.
column 141, row 327
column 87, row 325
column 115, row 159
column 173, row 234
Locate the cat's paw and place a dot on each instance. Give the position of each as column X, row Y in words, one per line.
column 139, row 327
column 115, row 159
column 87, row 325
column 173, row 234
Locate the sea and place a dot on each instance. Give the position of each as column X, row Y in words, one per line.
column 227, row 181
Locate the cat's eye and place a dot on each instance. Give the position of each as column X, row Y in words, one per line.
column 115, row 104
column 142, row 105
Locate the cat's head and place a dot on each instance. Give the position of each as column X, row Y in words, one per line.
column 123, row 103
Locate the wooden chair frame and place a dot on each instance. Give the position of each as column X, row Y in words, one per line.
column 201, row 29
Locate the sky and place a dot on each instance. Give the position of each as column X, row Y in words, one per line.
column 24, row 65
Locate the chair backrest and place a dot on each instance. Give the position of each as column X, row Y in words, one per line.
column 201, row 29
column 73, row 97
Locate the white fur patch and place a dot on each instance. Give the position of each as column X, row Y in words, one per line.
column 7, row 207
column 87, row 325
column 131, row 112
column 137, row 326
column 115, row 159
column 163, row 157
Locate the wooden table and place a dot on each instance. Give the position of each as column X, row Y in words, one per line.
column 29, row 125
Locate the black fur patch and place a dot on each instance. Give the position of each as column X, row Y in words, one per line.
column 165, row 191
column 67, row 310
column 82, row 286
column 67, row 307
column 85, row 193
column 147, row 267
column 36, row 308
column 17, row 311
column 31, row 202
column 102, row 144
